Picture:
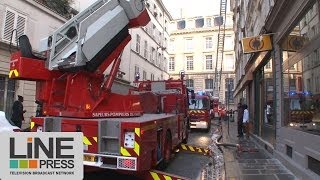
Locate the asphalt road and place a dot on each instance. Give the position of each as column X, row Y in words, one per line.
column 183, row 163
column 189, row 165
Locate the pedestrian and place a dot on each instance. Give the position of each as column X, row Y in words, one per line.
column 17, row 112
column 240, row 120
column 246, row 123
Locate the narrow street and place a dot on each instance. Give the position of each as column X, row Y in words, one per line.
column 190, row 165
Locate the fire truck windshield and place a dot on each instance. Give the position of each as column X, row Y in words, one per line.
column 199, row 104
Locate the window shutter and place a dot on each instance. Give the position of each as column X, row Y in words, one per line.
column 8, row 25
column 21, row 24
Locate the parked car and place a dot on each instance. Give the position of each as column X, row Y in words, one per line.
column 5, row 125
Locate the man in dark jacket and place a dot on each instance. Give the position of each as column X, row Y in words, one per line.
column 240, row 120
column 17, row 112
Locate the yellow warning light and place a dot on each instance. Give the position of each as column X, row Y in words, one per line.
column 44, row 112
column 88, row 106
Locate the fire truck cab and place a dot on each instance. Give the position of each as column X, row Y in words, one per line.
column 199, row 112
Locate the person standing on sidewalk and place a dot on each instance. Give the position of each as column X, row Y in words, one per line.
column 240, row 120
column 17, row 112
column 246, row 124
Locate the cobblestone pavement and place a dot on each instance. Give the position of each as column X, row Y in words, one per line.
column 253, row 162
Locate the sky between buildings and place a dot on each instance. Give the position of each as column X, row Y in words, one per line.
column 177, row 8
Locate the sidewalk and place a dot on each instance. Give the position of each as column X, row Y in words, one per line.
column 253, row 163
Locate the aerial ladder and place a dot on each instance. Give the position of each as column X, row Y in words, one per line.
column 131, row 133
column 220, row 49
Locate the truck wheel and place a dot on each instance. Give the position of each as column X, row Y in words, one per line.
column 208, row 127
column 167, row 153
column 185, row 140
column 167, row 150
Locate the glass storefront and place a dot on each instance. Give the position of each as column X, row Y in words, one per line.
column 264, row 120
column 301, row 75
column 267, row 100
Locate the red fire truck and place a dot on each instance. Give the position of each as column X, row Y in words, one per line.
column 219, row 111
column 199, row 112
column 133, row 132
column 215, row 103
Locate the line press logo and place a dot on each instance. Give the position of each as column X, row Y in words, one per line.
column 39, row 155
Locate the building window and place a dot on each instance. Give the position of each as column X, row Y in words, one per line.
column 159, row 60
column 144, row 75
column 7, row 95
column 228, row 42
column 209, row 62
column 165, row 25
column 229, row 62
column 188, row 44
column 229, row 85
column 292, row 84
column 189, row 83
column 13, row 20
column 171, row 64
column 153, row 55
column 181, row 24
column 152, row 77
column 189, row 62
column 208, row 84
column 171, row 45
column 145, row 52
column 154, row 31
column 208, row 22
column 136, row 71
column 268, row 65
column 199, row 23
column 138, row 44
column 208, row 42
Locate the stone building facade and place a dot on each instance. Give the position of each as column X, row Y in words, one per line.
column 193, row 50
column 37, row 22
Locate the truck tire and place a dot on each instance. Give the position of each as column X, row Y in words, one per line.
column 208, row 127
column 167, row 152
column 185, row 140
column 188, row 129
column 168, row 148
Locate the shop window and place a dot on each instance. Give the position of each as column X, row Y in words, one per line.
column 301, row 74
column 289, row 151
column 314, row 165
